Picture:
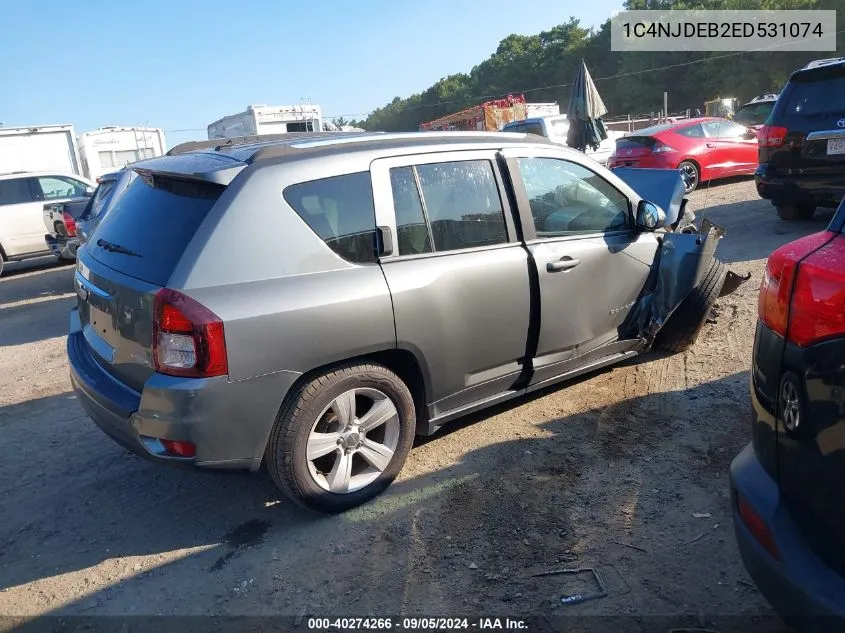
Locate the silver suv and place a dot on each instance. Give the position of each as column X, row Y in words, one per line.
column 311, row 304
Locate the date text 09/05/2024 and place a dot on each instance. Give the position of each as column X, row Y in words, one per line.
column 415, row 624
column 722, row 29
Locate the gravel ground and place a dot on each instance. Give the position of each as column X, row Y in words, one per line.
column 624, row 470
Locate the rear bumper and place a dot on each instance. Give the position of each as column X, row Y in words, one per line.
column 799, row 586
column 62, row 247
column 824, row 191
column 228, row 422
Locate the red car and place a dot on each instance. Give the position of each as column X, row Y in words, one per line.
column 702, row 149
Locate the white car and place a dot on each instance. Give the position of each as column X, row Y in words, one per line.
column 556, row 127
column 23, row 196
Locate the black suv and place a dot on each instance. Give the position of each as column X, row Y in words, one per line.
column 802, row 144
column 788, row 485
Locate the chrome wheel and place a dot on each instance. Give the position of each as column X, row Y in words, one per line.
column 690, row 175
column 791, row 411
column 353, row 440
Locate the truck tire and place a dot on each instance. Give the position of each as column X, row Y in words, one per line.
column 802, row 211
column 373, row 429
column 684, row 324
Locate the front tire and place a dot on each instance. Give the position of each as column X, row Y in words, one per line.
column 801, row 211
column 341, row 438
column 684, row 324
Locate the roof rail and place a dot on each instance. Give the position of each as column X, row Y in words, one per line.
column 222, row 143
column 824, row 62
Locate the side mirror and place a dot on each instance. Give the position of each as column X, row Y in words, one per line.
column 650, row 217
column 89, row 190
column 750, row 133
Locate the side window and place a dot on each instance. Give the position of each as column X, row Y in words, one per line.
column 14, row 191
column 413, row 236
column 568, row 199
column 692, row 131
column 53, row 187
column 341, row 211
column 720, row 129
column 463, row 205
column 101, row 198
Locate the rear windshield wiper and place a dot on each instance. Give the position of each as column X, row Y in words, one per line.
column 116, row 248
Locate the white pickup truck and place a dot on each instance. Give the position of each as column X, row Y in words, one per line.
column 556, row 127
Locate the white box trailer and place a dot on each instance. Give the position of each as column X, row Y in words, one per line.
column 109, row 149
column 39, row 148
column 264, row 119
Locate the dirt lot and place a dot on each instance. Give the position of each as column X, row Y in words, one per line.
column 609, row 472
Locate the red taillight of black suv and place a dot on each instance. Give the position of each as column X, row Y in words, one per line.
column 802, row 297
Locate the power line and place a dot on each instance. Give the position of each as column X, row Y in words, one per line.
column 553, row 86
column 617, row 76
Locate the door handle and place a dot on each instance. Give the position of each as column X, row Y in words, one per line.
column 711, row 145
column 566, row 263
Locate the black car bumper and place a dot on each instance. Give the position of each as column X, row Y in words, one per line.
column 799, row 586
column 823, row 191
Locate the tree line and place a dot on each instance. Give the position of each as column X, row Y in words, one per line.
column 539, row 65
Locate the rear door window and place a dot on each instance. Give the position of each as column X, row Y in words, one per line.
column 412, row 230
column 154, row 220
column 339, row 209
column 14, row 191
column 463, row 205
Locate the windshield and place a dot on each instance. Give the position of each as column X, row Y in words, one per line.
column 754, row 113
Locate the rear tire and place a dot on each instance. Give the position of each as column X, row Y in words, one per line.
column 790, row 212
column 318, row 418
column 684, row 324
column 691, row 175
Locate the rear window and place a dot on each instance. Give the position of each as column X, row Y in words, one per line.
column 817, row 93
column 154, row 219
column 635, row 142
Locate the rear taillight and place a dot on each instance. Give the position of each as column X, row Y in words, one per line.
column 817, row 310
column 661, row 148
column 70, row 224
column 771, row 136
column 758, row 528
column 776, row 288
column 188, row 338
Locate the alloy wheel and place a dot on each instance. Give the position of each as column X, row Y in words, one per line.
column 353, row 440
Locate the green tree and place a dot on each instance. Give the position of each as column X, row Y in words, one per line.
column 543, row 66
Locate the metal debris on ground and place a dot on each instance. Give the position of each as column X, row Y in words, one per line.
column 695, row 540
column 636, row 547
column 579, row 597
